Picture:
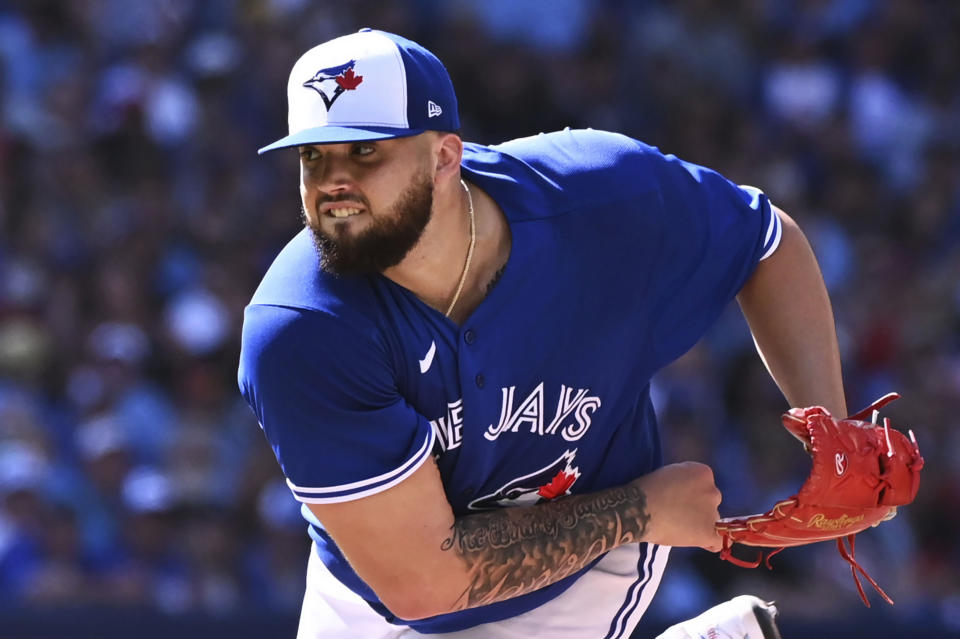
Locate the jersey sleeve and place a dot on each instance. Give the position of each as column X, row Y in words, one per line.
column 327, row 401
column 710, row 236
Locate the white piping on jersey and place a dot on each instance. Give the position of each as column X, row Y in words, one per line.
column 629, row 616
column 628, row 607
column 773, row 222
column 777, row 227
column 398, row 475
column 774, row 228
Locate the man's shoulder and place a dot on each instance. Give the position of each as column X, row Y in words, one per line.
column 299, row 309
column 295, row 280
column 576, row 165
column 590, row 146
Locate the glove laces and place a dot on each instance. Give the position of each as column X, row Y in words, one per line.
column 855, row 567
column 849, row 556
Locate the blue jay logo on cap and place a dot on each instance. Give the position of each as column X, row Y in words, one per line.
column 344, row 77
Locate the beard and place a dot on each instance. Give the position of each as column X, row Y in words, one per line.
column 385, row 242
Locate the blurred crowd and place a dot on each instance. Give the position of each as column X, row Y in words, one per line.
column 136, row 220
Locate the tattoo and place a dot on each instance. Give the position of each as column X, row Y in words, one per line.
column 514, row 551
column 496, row 278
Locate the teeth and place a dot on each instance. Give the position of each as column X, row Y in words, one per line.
column 344, row 212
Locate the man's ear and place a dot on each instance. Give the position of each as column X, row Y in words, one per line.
column 447, row 153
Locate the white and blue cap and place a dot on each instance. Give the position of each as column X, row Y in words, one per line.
column 370, row 85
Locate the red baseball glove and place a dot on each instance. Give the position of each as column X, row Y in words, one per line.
column 861, row 473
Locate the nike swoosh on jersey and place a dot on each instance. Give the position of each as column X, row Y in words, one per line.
column 428, row 359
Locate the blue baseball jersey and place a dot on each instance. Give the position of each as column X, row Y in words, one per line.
column 621, row 258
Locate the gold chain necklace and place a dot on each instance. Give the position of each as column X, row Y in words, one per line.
column 473, row 241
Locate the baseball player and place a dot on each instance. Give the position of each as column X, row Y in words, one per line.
column 452, row 360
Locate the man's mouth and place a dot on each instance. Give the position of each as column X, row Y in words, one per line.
column 344, row 212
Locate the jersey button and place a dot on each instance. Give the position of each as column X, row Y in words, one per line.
column 469, row 336
column 481, row 380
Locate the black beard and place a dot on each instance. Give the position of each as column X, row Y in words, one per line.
column 385, row 243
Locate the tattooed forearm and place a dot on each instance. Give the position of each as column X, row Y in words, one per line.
column 513, row 551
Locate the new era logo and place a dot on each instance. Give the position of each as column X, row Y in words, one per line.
column 433, row 109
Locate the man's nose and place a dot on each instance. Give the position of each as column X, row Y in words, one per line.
column 332, row 172
column 335, row 176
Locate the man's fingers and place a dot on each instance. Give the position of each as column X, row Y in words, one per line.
column 716, row 546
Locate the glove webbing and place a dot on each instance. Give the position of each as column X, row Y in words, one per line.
column 727, row 555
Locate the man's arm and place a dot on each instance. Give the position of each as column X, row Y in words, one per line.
column 406, row 544
column 786, row 305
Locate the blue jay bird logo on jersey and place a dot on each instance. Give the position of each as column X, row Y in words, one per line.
column 545, row 484
column 343, row 76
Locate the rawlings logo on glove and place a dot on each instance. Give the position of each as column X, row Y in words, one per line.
column 861, row 472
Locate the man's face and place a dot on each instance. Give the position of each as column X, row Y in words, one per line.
column 366, row 203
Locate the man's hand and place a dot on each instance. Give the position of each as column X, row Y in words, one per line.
column 861, row 472
column 683, row 501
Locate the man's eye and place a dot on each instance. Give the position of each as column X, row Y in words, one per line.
column 309, row 155
column 363, row 149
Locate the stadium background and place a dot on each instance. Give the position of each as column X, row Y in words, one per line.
column 137, row 495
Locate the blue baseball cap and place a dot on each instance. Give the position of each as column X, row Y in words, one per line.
column 370, row 85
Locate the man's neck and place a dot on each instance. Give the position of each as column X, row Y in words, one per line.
column 433, row 268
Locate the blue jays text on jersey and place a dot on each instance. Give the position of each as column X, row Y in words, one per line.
column 573, row 411
column 621, row 258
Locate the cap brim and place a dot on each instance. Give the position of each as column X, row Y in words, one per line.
column 339, row 134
